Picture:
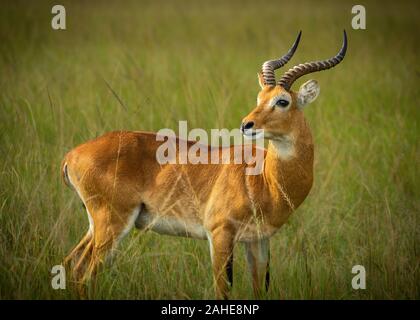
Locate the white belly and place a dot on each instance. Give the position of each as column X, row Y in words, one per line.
column 170, row 226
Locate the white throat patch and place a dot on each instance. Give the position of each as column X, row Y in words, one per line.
column 284, row 147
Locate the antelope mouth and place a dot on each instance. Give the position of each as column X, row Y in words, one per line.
column 253, row 134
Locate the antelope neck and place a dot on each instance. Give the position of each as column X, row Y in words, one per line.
column 289, row 160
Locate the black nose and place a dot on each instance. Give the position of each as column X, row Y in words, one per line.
column 247, row 125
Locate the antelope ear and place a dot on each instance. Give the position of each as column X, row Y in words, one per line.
column 308, row 92
column 261, row 80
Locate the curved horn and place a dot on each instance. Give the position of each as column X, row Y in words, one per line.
column 268, row 67
column 300, row 70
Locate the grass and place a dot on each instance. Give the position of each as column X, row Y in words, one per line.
column 197, row 61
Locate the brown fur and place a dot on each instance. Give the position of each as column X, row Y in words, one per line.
column 118, row 172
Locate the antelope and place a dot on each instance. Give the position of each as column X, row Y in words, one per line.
column 122, row 185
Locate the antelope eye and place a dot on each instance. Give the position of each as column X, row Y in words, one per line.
column 282, row 103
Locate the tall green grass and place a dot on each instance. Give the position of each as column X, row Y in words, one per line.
column 197, row 61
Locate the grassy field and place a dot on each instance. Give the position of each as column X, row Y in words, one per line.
column 197, row 61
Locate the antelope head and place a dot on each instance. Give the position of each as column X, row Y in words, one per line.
column 278, row 114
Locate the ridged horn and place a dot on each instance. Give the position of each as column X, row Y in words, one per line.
column 300, row 70
column 268, row 67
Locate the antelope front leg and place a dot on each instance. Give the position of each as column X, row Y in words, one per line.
column 221, row 250
column 258, row 258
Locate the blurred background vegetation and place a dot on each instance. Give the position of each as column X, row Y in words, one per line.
column 197, row 61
